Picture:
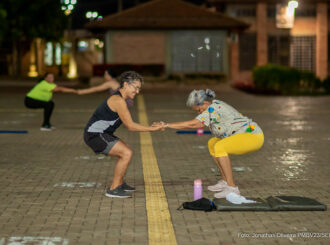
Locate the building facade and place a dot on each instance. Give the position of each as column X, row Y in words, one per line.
column 183, row 37
column 303, row 43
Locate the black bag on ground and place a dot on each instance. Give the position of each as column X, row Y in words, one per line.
column 202, row 204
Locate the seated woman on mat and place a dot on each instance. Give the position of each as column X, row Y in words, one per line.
column 40, row 96
column 233, row 134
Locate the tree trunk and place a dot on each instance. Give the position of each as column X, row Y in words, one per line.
column 14, row 70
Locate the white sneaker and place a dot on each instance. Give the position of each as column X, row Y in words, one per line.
column 218, row 186
column 46, row 128
column 228, row 189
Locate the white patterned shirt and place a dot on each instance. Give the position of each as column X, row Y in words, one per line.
column 224, row 120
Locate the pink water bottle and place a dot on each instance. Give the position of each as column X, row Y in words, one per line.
column 198, row 189
column 200, row 131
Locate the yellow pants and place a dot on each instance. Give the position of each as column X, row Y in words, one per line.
column 237, row 144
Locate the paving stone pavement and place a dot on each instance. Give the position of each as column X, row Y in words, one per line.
column 52, row 185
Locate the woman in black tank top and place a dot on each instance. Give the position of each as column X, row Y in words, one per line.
column 98, row 133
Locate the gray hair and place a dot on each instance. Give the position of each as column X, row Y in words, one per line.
column 197, row 97
column 129, row 77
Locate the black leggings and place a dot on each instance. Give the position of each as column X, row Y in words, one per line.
column 35, row 104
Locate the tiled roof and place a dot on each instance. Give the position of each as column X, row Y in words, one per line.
column 167, row 14
column 265, row 1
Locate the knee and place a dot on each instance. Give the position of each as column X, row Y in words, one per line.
column 127, row 154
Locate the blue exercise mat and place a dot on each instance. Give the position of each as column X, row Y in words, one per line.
column 13, row 131
column 191, row 132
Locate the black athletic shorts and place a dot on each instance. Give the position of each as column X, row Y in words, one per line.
column 101, row 143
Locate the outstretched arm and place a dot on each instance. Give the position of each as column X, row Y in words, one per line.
column 119, row 105
column 183, row 125
column 113, row 84
column 64, row 90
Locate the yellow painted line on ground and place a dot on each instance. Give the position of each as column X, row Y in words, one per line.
column 160, row 228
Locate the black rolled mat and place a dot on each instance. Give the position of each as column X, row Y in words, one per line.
column 277, row 203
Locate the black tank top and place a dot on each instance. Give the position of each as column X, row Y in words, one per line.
column 104, row 120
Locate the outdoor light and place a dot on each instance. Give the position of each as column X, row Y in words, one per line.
column 89, row 14
column 293, row 4
column 68, row 6
column 93, row 15
column 67, row 12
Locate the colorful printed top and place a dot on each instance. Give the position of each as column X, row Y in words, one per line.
column 223, row 120
column 42, row 91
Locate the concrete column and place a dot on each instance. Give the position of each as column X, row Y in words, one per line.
column 108, row 56
column 322, row 40
column 33, row 66
column 262, row 51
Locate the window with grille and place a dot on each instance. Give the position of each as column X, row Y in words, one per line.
column 198, row 51
column 306, row 11
column 242, row 10
column 279, row 49
column 303, row 52
column 271, row 10
column 247, row 51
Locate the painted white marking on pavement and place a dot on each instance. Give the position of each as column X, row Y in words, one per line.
column 77, row 184
column 199, row 146
column 89, row 157
column 21, row 240
column 242, row 169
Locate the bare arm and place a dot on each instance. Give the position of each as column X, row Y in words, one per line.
column 113, row 84
column 64, row 90
column 119, row 105
column 185, row 124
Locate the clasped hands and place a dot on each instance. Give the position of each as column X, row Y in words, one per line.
column 160, row 125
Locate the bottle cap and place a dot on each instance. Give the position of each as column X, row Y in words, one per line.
column 197, row 182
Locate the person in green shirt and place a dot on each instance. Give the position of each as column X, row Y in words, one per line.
column 40, row 96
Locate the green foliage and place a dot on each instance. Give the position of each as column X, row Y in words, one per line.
column 3, row 14
column 285, row 80
column 309, row 83
column 326, row 85
column 30, row 19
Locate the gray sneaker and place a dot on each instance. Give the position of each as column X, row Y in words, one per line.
column 126, row 187
column 117, row 192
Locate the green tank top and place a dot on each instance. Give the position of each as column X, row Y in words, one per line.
column 42, row 91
